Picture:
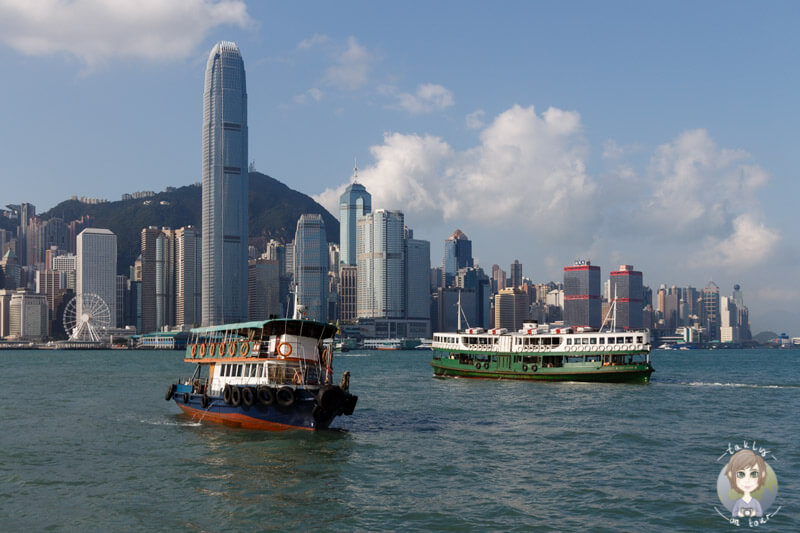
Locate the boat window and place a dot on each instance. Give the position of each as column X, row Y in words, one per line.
column 639, row 339
column 620, row 340
column 593, row 340
column 569, row 341
column 585, row 340
column 238, row 371
column 629, row 339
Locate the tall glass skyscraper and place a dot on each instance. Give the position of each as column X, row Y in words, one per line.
column 224, row 232
column 457, row 255
column 582, row 303
column 311, row 266
column 355, row 202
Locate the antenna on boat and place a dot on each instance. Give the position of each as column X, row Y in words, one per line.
column 461, row 312
column 612, row 313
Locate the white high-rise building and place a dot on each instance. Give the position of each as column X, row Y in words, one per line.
column 187, row 276
column 311, row 266
column 380, row 262
column 225, row 184
column 97, row 267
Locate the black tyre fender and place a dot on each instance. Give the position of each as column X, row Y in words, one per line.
column 248, row 396
column 185, row 397
column 478, row 366
column 170, row 392
column 330, row 398
column 285, row 396
column 486, row 365
column 524, row 367
column 226, row 394
column 236, row 396
column 319, row 414
column 265, row 395
column 204, row 401
column 534, row 368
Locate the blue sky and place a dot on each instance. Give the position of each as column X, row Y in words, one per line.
column 659, row 134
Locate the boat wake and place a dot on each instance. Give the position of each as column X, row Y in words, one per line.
column 176, row 423
column 744, row 385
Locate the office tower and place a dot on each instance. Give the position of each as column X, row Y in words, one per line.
column 333, row 258
column 582, row 304
column 348, row 289
column 311, row 266
column 52, row 232
column 355, row 202
column 67, row 263
column 97, row 268
column 5, row 303
column 158, row 279
column 277, row 251
column 516, row 274
column 418, row 267
column 710, row 310
column 27, row 317
column 498, row 279
column 474, row 279
column 12, row 270
column 626, row 289
column 263, row 285
column 510, row 309
column 51, row 284
column 122, row 290
column 187, row 276
column 25, row 212
column 224, row 208
column 457, row 254
column 728, row 327
column 380, row 262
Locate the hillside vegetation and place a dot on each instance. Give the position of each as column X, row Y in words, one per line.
column 274, row 210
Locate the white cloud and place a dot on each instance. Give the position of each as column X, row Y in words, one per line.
column 692, row 208
column 695, row 186
column 475, row 119
column 312, row 41
column 96, row 31
column 312, row 94
column 750, row 244
column 350, row 68
column 429, row 97
column 528, row 170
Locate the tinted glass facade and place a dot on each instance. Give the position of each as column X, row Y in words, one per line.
column 224, row 231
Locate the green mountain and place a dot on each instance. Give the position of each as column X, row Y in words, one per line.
column 274, row 210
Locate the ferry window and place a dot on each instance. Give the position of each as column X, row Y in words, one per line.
column 585, row 340
column 629, row 339
column 238, row 371
column 639, row 340
column 620, row 340
column 569, row 341
column 593, row 340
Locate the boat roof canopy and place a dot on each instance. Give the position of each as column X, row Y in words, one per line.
column 279, row 326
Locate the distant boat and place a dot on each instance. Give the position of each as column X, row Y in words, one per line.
column 382, row 344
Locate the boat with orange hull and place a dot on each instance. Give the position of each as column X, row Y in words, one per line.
column 270, row 375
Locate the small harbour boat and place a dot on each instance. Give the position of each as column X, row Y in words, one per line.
column 538, row 352
column 383, row 344
column 272, row 375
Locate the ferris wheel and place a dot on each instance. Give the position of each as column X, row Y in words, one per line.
column 86, row 318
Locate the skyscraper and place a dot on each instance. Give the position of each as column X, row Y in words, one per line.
column 457, row 255
column 311, row 266
column 626, row 288
column 97, row 268
column 187, row 276
column 355, row 202
column 380, row 262
column 582, row 304
column 224, row 232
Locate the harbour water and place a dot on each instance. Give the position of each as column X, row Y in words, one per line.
column 89, row 444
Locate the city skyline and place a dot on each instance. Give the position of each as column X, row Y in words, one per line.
column 658, row 137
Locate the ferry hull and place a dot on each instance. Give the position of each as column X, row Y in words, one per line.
column 303, row 414
column 638, row 373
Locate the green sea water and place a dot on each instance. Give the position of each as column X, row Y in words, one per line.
column 87, row 443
